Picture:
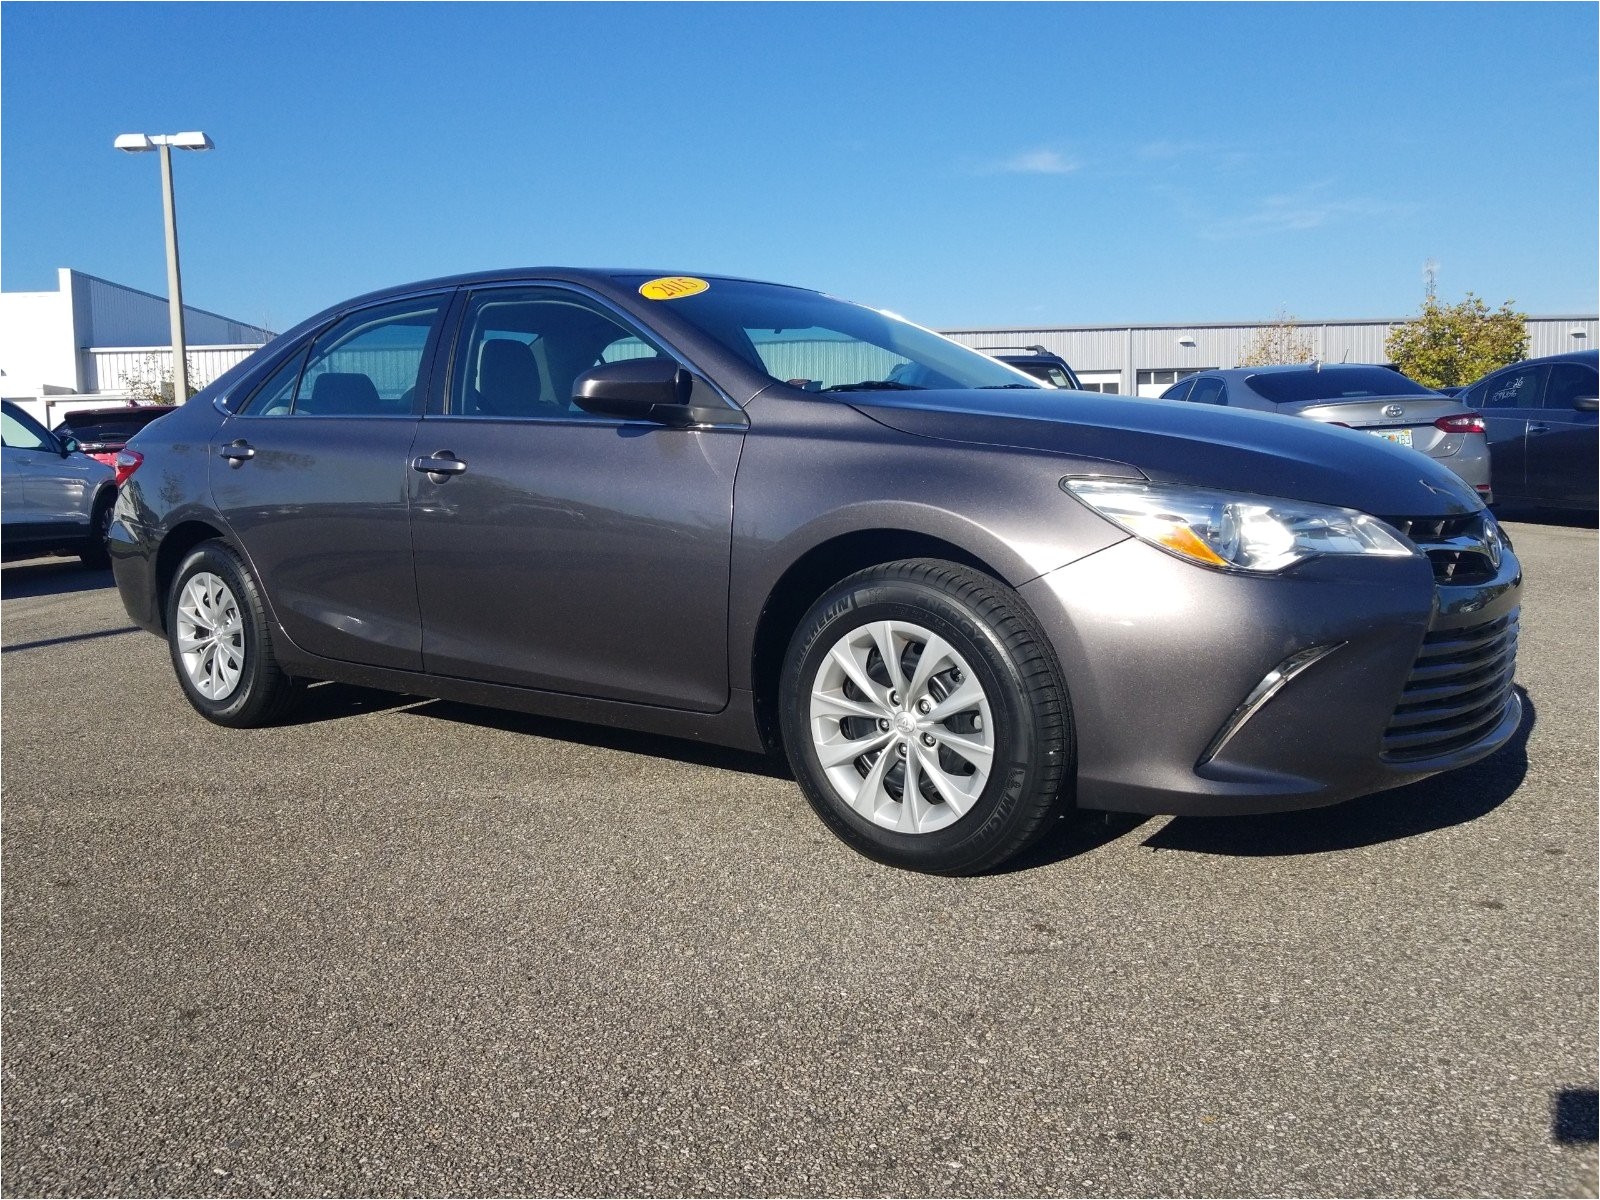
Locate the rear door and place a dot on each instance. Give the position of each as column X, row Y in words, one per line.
column 312, row 476
column 1508, row 400
column 1562, row 445
column 46, row 495
column 568, row 552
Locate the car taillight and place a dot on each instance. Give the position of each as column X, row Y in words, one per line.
column 127, row 463
column 1460, row 423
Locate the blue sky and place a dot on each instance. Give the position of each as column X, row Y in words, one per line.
column 966, row 165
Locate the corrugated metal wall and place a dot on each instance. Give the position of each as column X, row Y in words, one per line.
column 1131, row 349
column 108, row 314
column 111, row 369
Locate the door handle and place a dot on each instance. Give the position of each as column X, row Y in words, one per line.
column 1538, row 427
column 440, row 466
column 237, row 452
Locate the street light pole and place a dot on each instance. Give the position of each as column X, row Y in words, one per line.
column 164, row 142
column 180, row 355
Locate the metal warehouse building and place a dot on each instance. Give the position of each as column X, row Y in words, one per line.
column 1145, row 360
column 83, row 343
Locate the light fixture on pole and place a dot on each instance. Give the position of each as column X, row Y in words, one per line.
column 164, row 142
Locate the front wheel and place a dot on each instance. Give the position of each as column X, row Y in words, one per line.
column 924, row 717
column 221, row 641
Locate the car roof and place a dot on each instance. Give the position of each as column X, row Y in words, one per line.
column 606, row 277
column 1592, row 357
column 1292, row 368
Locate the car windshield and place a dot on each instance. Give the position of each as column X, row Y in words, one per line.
column 1334, row 383
column 814, row 342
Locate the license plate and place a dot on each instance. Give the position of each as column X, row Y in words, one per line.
column 1400, row 437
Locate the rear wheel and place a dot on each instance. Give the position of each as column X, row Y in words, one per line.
column 924, row 717
column 221, row 641
column 95, row 554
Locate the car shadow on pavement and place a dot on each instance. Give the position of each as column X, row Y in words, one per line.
column 1437, row 802
column 51, row 577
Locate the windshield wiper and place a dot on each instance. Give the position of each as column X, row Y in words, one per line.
column 1001, row 387
column 875, row 385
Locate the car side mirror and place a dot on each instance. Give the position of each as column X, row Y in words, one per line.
column 1586, row 404
column 69, row 446
column 640, row 389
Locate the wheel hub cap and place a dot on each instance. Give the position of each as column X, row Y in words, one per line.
column 901, row 727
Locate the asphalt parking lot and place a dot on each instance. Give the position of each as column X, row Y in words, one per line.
column 410, row 947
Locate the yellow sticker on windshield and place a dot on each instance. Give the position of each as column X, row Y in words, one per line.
column 675, row 287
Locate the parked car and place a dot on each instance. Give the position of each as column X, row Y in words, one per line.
column 1375, row 400
column 53, row 499
column 759, row 516
column 101, row 432
column 1542, row 423
column 1037, row 362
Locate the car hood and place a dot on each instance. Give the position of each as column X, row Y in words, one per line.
column 1258, row 453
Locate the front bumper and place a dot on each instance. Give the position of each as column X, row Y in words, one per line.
column 1160, row 657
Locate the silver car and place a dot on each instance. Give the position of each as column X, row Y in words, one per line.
column 55, row 499
column 1374, row 400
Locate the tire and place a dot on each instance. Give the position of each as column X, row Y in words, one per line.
column 220, row 640
column 984, row 730
column 95, row 555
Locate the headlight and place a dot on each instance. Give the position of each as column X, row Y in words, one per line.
column 1232, row 531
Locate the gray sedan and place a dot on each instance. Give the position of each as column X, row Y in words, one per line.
column 760, row 516
column 1374, row 400
column 56, row 499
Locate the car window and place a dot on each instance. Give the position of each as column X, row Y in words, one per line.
column 1517, row 388
column 1567, row 383
column 521, row 350
column 1179, row 390
column 19, row 431
column 1334, row 383
column 1208, row 389
column 814, row 342
column 366, row 365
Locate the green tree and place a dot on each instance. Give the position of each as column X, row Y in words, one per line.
column 1283, row 341
column 1450, row 345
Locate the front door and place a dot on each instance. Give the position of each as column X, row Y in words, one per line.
column 312, row 474
column 558, row 550
column 1562, row 441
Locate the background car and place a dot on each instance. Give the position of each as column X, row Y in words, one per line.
column 1036, row 361
column 1373, row 399
column 101, row 432
column 1541, row 424
column 53, row 499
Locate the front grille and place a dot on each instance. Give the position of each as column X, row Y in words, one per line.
column 1458, row 547
column 1456, row 692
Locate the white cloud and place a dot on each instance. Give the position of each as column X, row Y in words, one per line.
column 1307, row 208
column 1038, row 162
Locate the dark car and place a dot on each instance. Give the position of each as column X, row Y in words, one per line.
column 759, row 516
column 101, row 432
column 1373, row 399
column 56, row 500
column 1542, row 425
column 1036, row 361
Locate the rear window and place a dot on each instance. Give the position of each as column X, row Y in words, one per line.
column 1342, row 383
column 110, row 427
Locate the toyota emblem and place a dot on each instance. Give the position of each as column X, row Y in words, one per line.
column 1394, row 410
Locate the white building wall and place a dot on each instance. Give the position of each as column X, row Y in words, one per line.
column 38, row 351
